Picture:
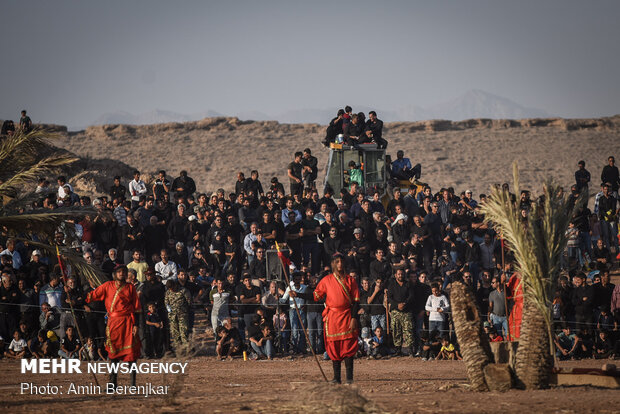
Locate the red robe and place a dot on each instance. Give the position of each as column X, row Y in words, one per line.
column 339, row 294
column 516, row 314
column 121, row 305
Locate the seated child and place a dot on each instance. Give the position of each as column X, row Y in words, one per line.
column 18, row 347
column 430, row 345
column 448, row 351
column 39, row 346
column 603, row 347
column 69, row 345
column 89, row 351
column 378, row 346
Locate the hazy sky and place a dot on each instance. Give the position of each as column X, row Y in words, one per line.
column 69, row 62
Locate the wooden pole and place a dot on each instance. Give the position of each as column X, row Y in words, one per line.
column 288, row 282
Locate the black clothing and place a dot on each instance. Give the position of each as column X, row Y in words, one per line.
column 610, row 175
column 400, row 294
column 377, row 132
column 118, row 191
column 258, row 269
column 242, row 290
column 380, row 270
column 186, row 183
column 254, row 186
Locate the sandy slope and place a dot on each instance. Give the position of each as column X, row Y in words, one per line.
column 470, row 154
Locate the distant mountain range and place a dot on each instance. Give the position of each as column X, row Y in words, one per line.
column 472, row 104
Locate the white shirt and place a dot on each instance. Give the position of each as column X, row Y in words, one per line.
column 136, row 189
column 18, row 346
column 61, row 190
column 300, row 302
column 167, row 271
column 17, row 258
column 432, row 303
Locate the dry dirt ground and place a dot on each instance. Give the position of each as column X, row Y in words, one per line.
column 398, row 385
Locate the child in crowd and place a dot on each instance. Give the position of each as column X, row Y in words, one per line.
column 89, row 351
column 378, row 345
column 18, row 347
column 39, row 346
column 69, row 345
column 430, row 345
column 155, row 328
column 605, row 320
column 355, row 174
column 283, row 332
column 448, row 351
column 603, row 347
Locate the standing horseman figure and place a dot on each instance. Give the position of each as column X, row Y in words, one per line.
column 122, row 303
column 341, row 295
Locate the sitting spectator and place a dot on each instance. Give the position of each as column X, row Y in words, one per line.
column 89, row 351
column 69, row 345
column 448, row 351
column 401, row 168
column 603, row 347
column 378, row 344
column 430, row 345
column 261, row 339
column 18, row 348
column 228, row 342
column 39, row 346
column 566, row 343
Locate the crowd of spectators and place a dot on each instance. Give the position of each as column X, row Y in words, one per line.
column 190, row 253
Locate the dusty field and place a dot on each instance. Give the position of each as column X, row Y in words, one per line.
column 397, row 385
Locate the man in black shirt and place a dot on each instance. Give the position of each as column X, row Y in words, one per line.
column 380, row 268
column 254, row 184
column 161, row 186
column 400, row 297
column 183, row 185
column 374, row 130
column 582, row 176
column 117, row 191
column 249, row 299
column 610, row 174
column 310, row 169
column 582, row 298
column 258, row 268
column 295, row 170
column 334, row 128
column 608, row 217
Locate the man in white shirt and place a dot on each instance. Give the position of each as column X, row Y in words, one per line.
column 137, row 188
column 297, row 335
column 10, row 250
column 62, row 181
column 166, row 269
column 437, row 305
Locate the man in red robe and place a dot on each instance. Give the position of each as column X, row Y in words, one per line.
column 122, row 303
column 342, row 297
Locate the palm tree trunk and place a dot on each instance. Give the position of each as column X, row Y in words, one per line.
column 474, row 344
column 533, row 360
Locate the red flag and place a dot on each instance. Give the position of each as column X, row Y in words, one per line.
column 63, row 271
column 284, row 259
